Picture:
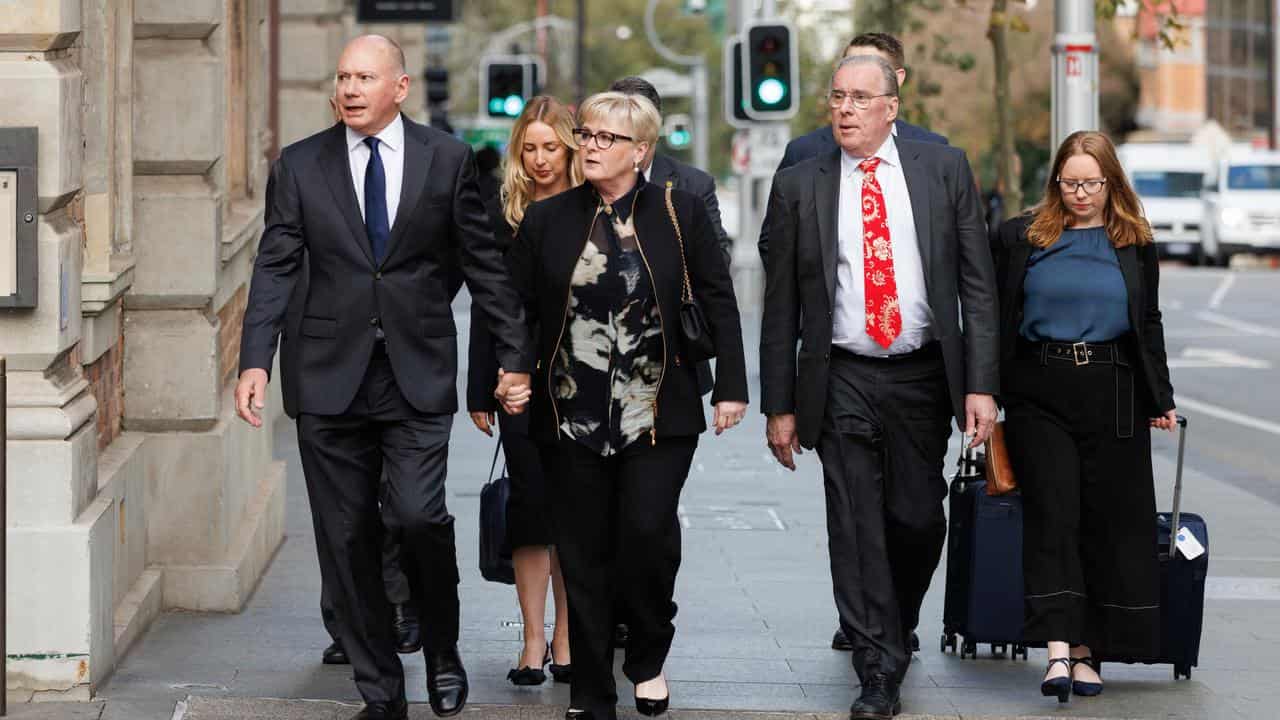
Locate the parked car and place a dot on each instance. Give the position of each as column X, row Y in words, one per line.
column 1168, row 178
column 1242, row 206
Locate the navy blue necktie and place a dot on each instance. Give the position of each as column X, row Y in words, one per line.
column 376, row 224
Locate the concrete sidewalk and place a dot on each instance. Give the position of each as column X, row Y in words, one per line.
column 753, row 631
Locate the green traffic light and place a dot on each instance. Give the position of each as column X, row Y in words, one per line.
column 678, row 138
column 771, row 91
column 513, row 105
column 496, row 106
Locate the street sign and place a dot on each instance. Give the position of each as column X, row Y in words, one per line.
column 768, row 144
column 384, row 11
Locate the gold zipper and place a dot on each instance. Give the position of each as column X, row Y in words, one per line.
column 653, row 430
column 564, row 321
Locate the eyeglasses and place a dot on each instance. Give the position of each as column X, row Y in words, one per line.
column 1091, row 187
column 604, row 138
column 836, row 99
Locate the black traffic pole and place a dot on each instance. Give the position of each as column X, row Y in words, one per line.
column 4, row 532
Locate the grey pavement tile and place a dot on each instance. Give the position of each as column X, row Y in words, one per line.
column 915, row 700
column 55, row 710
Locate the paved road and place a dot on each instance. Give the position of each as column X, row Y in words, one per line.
column 756, row 612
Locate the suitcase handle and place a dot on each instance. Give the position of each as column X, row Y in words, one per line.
column 1174, row 527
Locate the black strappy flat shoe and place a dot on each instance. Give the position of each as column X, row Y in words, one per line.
column 1060, row 686
column 1080, row 687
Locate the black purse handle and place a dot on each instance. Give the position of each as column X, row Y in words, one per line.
column 494, row 465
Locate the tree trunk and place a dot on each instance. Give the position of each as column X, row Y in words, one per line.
column 1006, row 152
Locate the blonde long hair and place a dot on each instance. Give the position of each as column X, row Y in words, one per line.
column 1126, row 225
column 517, row 186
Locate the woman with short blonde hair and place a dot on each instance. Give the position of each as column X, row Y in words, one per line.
column 541, row 162
column 603, row 270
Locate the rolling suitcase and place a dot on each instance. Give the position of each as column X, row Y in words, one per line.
column 984, row 593
column 1181, row 583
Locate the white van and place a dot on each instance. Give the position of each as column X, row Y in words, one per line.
column 1168, row 178
column 1242, row 206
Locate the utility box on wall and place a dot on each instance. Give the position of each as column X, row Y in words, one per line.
column 18, row 248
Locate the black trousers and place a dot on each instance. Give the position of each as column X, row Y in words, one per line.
column 883, row 443
column 618, row 537
column 1089, row 551
column 344, row 458
column 394, row 581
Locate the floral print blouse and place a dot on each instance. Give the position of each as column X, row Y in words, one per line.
column 610, row 359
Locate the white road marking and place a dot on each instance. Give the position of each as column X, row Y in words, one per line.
column 1215, row 300
column 1267, row 426
column 1194, row 357
column 776, row 520
column 1241, row 325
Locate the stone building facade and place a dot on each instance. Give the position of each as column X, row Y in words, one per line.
column 132, row 488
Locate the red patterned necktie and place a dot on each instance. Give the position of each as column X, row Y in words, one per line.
column 884, row 319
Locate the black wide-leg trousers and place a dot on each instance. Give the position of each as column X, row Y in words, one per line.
column 882, row 447
column 618, row 537
column 344, row 458
column 1089, row 553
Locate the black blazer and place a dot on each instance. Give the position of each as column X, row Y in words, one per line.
column 1140, row 267
column 542, row 260
column 800, row 280
column 312, row 210
column 482, row 359
column 821, row 142
column 690, row 179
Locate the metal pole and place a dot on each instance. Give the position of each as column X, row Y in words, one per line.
column 4, row 534
column 580, row 71
column 1075, row 69
column 698, row 70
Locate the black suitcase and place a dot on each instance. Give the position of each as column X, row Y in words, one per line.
column 984, row 594
column 1181, row 584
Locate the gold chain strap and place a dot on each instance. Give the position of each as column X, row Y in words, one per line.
column 671, row 210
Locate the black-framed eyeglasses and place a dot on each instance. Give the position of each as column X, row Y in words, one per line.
column 861, row 101
column 604, row 138
column 1091, row 187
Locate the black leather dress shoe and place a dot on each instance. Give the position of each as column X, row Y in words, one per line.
column 446, row 681
column 879, row 700
column 405, row 623
column 384, row 711
column 335, row 655
column 840, row 641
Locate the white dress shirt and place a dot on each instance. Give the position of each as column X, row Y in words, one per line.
column 849, row 330
column 391, row 150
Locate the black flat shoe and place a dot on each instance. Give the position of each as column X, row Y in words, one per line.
column 561, row 673
column 652, row 708
column 384, row 711
column 1061, row 687
column 572, row 714
column 840, row 641
column 530, row 675
column 334, row 655
column 1080, row 687
column 915, row 643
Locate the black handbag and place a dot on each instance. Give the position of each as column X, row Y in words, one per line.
column 495, row 551
column 698, row 342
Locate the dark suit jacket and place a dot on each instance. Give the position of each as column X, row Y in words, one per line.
column 820, row 142
column 482, row 360
column 312, row 210
column 800, row 280
column 1140, row 267
column 542, row 260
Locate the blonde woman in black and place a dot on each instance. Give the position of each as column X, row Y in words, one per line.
column 541, row 161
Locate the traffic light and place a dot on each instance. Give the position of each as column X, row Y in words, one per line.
column 437, row 92
column 734, row 114
column 771, row 71
column 507, row 83
column 677, row 130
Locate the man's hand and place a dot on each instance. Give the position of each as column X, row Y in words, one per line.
column 783, row 441
column 980, row 415
column 1167, row 421
column 513, row 391
column 728, row 414
column 251, row 395
column 484, row 422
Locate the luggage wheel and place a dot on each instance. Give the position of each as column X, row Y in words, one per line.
column 1018, row 649
column 948, row 641
column 999, row 649
column 969, row 649
column 1180, row 671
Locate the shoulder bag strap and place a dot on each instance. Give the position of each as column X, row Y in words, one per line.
column 494, row 465
column 687, row 290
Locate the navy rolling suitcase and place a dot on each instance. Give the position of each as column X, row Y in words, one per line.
column 1181, row 584
column 984, row 594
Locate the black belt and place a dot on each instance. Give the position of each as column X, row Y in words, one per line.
column 1079, row 353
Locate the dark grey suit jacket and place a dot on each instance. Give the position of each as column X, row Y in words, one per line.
column 800, row 280
column 692, row 180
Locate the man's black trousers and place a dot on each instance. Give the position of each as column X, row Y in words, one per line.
column 883, row 442
column 344, row 457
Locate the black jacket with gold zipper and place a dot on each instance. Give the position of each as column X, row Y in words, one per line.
column 541, row 263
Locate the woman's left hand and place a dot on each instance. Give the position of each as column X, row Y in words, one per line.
column 1168, row 421
column 728, row 414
